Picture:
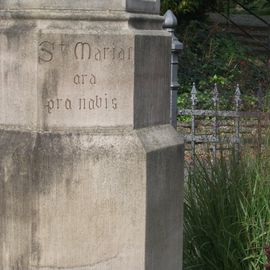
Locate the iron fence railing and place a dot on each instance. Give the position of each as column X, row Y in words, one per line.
column 235, row 116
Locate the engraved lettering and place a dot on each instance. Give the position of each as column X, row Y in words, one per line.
column 91, row 104
column 85, row 51
column 77, row 79
column 113, row 57
column 121, row 54
column 106, row 101
column 81, row 48
column 47, row 49
column 82, row 104
column 98, row 102
column 93, row 79
column 114, row 103
column 83, row 79
column 62, row 46
column 58, row 103
column 68, row 105
column 50, row 105
column 83, row 76
column 98, row 55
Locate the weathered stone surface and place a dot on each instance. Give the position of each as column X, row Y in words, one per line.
column 146, row 6
column 106, row 200
column 69, row 78
column 91, row 173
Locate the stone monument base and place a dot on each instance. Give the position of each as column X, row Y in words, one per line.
column 105, row 199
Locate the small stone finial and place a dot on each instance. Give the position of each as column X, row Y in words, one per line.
column 170, row 20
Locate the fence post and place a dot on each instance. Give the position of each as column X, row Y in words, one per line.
column 215, row 120
column 193, row 128
column 237, row 119
column 170, row 24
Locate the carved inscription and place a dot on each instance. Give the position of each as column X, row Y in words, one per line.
column 98, row 103
column 77, row 56
column 82, row 50
column 82, row 104
column 46, row 49
column 84, row 79
column 85, row 51
column 58, row 103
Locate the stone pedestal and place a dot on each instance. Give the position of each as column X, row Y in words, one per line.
column 91, row 173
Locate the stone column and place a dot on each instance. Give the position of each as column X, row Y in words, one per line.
column 91, row 172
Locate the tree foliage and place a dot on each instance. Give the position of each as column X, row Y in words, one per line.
column 198, row 7
column 187, row 7
column 212, row 56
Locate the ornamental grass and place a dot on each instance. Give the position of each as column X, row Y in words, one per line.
column 227, row 213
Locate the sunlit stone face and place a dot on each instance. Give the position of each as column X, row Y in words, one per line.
column 91, row 172
column 145, row 6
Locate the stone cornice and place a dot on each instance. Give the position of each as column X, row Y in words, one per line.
column 135, row 20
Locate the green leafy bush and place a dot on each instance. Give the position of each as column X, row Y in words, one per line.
column 227, row 214
column 213, row 56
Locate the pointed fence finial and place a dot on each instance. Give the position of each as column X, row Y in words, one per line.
column 194, row 95
column 215, row 95
column 170, row 20
column 237, row 120
column 237, row 96
column 170, row 23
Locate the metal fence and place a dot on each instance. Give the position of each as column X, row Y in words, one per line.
column 239, row 124
column 170, row 24
column 236, row 119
